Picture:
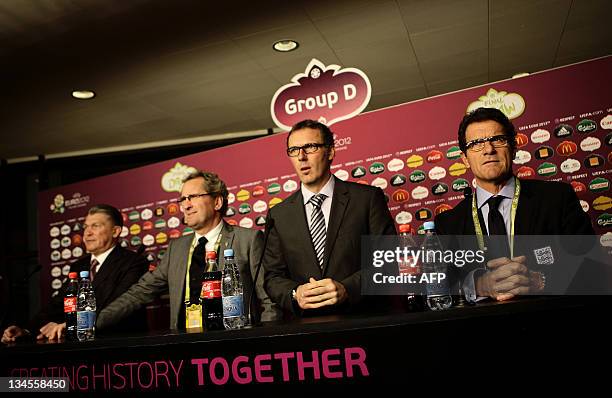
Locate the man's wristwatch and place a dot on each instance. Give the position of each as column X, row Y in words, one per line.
column 538, row 281
column 294, row 295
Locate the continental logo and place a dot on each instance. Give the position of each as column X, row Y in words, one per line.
column 148, row 240
column 380, row 183
column 246, row 223
column 244, row 208
column 274, row 188
column 230, row 212
column 420, row 193
column 358, row 172
column 342, row 174
column 434, row 156
column 605, row 220
column 567, row 148
column 414, row 161
column 400, row 196
column 417, row 176
column 439, row 189
column 403, row 217
column 437, row 173
column 570, row 166
column 174, row 222
column 602, row 203
column 547, row 169
column 592, row 161
column 540, row 136
column 260, row 206
column 563, row 130
column 442, row 208
column 521, row 140
column 586, row 126
column 395, row 165
column 398, row 180
column 578, row 187
column 273, row 202
column 134, row 229
column 453, row 153
column 258, row 191
column 243, row 195
column 525, row 172
column 460, row 184
column 457, row 169
column 423, row 214
column 511, row 104
column 377, row 168
column 521, row 157
column 544, row 152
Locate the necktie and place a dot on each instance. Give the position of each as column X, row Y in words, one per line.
column 497, row 226
column 92, row 268
column 317, row 226
column 195, row 270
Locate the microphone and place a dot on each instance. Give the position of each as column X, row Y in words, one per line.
column 269, row 226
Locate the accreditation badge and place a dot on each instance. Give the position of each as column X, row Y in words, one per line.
column 193, row 316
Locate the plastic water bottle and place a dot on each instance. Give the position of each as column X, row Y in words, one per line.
column 210, row 295
column 70, row 306
column 409, row 266
column 437, row 289
column 233, row 301
column 86, row 309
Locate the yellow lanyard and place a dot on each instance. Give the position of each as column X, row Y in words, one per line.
column 191, row 249
column 479, row 234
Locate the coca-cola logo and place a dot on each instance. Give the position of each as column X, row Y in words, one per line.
column 327, row 94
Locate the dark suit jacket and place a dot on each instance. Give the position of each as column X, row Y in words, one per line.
column 121, row 269
column 290, row 258
column 544, row 208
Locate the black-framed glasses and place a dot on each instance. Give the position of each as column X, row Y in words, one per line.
column 294, row 151
column 191, row 197
column 477, row 145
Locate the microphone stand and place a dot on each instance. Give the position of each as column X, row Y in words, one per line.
column 269, row 226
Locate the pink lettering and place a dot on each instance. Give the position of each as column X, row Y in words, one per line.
column 83, row 378
column 355, row 360
column 259, row 367
column 242, row 375
column 146, row 386
column 328, row 362
column 314, row 364
column 159, row 373
column 213, row 372
column 95, row 376
column 199, row 363
column 177, row 371
column 284, row 356
column 121, row 386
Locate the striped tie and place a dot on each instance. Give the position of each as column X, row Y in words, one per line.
column 317, row 226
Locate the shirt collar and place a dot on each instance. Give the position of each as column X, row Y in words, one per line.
column 102, row 257
column 327, row 190
column 482, row 195
column 211, row 236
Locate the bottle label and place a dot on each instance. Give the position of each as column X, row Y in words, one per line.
column 70, row 304
column 86, row 320
column 232, row 306
column 409, row 267
column 211, row 289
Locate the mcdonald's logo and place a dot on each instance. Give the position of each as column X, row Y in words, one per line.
column 521, row 140
column 400, row 195
column 567, row 148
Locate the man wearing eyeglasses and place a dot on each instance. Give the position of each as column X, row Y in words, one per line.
column 312, row 259
column 507, row 207
column 203, row 202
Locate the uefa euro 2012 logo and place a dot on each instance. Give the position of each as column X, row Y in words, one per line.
column 58, row 204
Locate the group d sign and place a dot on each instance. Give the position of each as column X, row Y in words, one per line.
column 327, row 94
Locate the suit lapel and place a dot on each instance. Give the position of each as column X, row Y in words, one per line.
column 297, row 210
column 525, row 210
column 336, row 215
column 227, row 238
column 106, row 268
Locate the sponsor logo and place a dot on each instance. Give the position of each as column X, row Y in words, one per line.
column 342, row 174
column 362, row 182
column 544, row 152
column 434, row 156
column 567, row 148
column 76, row 227
column 605, row 220
column 56, row 284
column 593, row 161
column 290, row 186
column 160, row 223
column 521, row 140
column 134, row 216
column 260, row 206
column 570, row 166
column 397, row 180
column 608, row 139
column 540, row 136
column 377, row 168
column 124, row 217
column 65, row 229
column 172, row 208
column 586, row 126
column 437, row 173
column 602, row 203
column 161, row 254
column 547, row 169
column 135, row 241
column 56, row 272
column 414, row 161
column 243, row 195
column 417, row 176
column 525, row 172
column 563, row 130
column 453, row 153
column 358, row 171
column 124, row 243
column 77, row 240
column 260, row 221
column 147, row 225
column 400, row 195
column 590, row 144
column 606, row 239
column 174, row 233
column 66, row 254
column 174, row 222
column 512, row 104
column 55, row 255
column 230, row 212
column 442, row 208
column 55, row 244
column 457, row 169
column 135, row 229
column 188, row 231
column 599, row 184
column 159, row 211
column 423, row 214
column 172, row 180
column 395, row 164
column 403, row 217
column 421, row 230
column 161, row 238
column 246, row 223
column 54, row 232
column 460, row 184
column 148, row 240
column 419, row 193
column 66, row 241
column 274, row 188
column 273, row 202
column 244, row 208
column 578, row 186
column 77, row 252
column 606, row 122
column 522, row 157
column 380, row 183
column 150, row 257
column 125, row 231
column 231, row 198
column 146, row 214
column 58, row 204
column 439, row 189
column 258, row 191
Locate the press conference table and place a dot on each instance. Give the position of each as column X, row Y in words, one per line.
column 529, row 334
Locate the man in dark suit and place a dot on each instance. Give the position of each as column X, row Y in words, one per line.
column 506, row 207
column 113, row 270
column 203, row 201
column 312, row 260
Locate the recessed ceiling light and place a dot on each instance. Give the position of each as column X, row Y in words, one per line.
column 522, row 74
column 285, row 45
column 83, row 94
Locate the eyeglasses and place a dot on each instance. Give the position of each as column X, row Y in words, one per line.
column 191, row 197
column 294, row 151
column 478, row 145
